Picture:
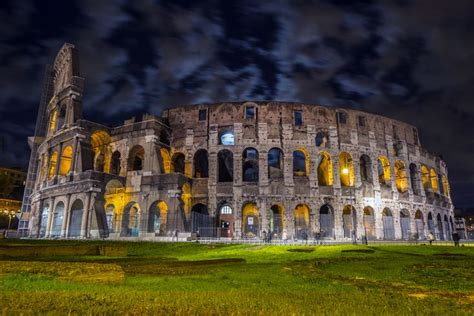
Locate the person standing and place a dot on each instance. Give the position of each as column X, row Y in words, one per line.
column 431, row 238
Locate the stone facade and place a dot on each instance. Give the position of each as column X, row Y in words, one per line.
column 234, row 170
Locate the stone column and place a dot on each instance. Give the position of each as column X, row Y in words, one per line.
column 50, row 217
column 67, row 215
column 85, row 215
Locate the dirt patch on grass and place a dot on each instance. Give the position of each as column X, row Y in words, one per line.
column 301, row 250
column 359, row 250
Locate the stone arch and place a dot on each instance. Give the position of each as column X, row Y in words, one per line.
column 75, row 223
column 387, row 222
column 157, row 218
column 100, row 145
column 440, row 227
column 66, row 161
column 115, row 166
column 419, row 224
column 447, row 228
column 431, row 224
column 136, row 158
column 226, row 220
column 250, row 220
column 275, row 163
column 326, row 221
column 434, row 180
column 276, row 215
column 111, row 218
column 201, row 164
column 425, row 177
column 250, row 165
column 349, row 221
column 61, row 116
column 346, row 169
column 225, row 164
column 325, row 174
column 322, row 139
column 226, row 137
column 178, row 163
column 52, row 121
column 301, row 162
column 131, row 220
column 415, row 179
column 165, row 162
column 201, row 222
column 58, row 217
column 53, row 160
column 43, row 225
column 369, row 223
column 383, row 168
column 405, row 224
column 365, row 169
column 445, row 182
column 401, row 179
column 302, row 221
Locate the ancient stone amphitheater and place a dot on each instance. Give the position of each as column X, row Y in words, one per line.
column 238, row 170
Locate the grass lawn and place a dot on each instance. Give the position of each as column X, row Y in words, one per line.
column 188, row 278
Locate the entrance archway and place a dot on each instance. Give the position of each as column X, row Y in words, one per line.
column 250, row 220
column 200, row 221
column 44, row 221
column 440, row 227
column 405, row 224
column 157, row 217
column 302, row 221
column 275, row 222
column 326, row 221
column 76, row 218
column 130, row 220
column 419, row 225
column 349, row 222
column 369, row 223
column 226, row 221
column 387, row 221
column 58, row 217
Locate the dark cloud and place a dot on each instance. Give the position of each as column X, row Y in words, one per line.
column 410, row 60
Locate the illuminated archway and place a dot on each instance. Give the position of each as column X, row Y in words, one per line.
column 425, row 177
column 52, row 121
column 44, row 220
column 383, row 168
column 401, row 176
column 131, row 220
column 302, row 221
column 186, row 199
column 165, row 160
column 300, row 163
column 325, row 175
column 100, row 141
column 434, row 180
column 250, row 220
column 349, row 221
column 419, row 223
column 445, row 185
column 52, row 164
column 369, row 223
column 346, row 169
column 157, row 218
column 66, row 161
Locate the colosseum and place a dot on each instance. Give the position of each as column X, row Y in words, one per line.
column 230, row 170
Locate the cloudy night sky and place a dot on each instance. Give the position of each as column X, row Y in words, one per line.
column 409, row 60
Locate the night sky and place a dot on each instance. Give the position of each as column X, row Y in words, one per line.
column 409, row 60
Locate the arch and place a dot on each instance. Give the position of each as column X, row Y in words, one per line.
column 326, row 221
column 226, row 138
column 61, row 118
column 44, row 220
column 440, row 229
column 75, row 222
column 302, row 221
column 434, row 180
column 178, row 163
column 414, row 179
column 447, row 228
column 366, row 169
column 225, row 162
column 201, row 164
column 250, row 220
column 100, row 141
column 66, row 161
column 165, row 160
column 115, row 167
column 44, row 167
column 387, row 221
column 157, row 218
column 322, row 139
column 300, row 163
column 136, row 158
column 419, row 224
column 52, row 164
column 431, row 224
column 113, row 186
column 130, row 220
column 325, row 175
column 111, row 218
column 58, row 217
column 52, row 121
column 383, row 168
column 186, row 198
column 226, row 220
column 425, row 177
column 275, row 223
column 445, row 182
column 369, row 223
column 405, row 224
column 346, row 169
column 201, row 222
column 401, row 176
column 275, row 163
column 250, row 165
column 349, row 221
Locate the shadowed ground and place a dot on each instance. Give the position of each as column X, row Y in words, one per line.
column 188, row 278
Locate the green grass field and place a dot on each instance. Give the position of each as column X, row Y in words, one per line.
column 187, row 278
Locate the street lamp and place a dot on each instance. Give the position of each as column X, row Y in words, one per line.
column 10, row 214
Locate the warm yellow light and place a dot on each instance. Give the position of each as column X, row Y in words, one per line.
column 345, row 171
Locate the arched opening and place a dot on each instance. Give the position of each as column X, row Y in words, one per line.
column 52, row 164
column 326, row 221
column 431, row 224
column 405, row 224
column 66, row 161
column 276, row 221
column 136, row 157
column 369, row 223
column 383, row 168
column 401, row 176
column 225, row 162
column 44, row 220
column 300, row 163
column 440, row 227
column 61, row 117
column 201, row 222
column 275, row 163
column 100, row 141
column 226, row 219
column 75, row 222
column 52, row 121
column 346, row 169
column 250, row 220
column 447, row 228
column 178, row 163
column 302, row 221
column 44, row 166
column 420, row 232
column 365, row 169
column 130, row 220
column 322, row 139
column 451, row 225
column 226, row 138
column 325, row 175
column 414, row 179
column 157, row 218
column 425, row 177
column 349, row 222
column 445, row 185
column 115, row 163
column 111, row 218
column 434, row 181
column 58, row 217
column 165, row 163
column 387, row 221
column 250, row 165
column 201, row 164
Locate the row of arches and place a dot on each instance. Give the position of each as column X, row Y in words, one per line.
column 54, row 225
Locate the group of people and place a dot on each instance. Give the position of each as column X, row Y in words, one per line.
column 455, row 236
